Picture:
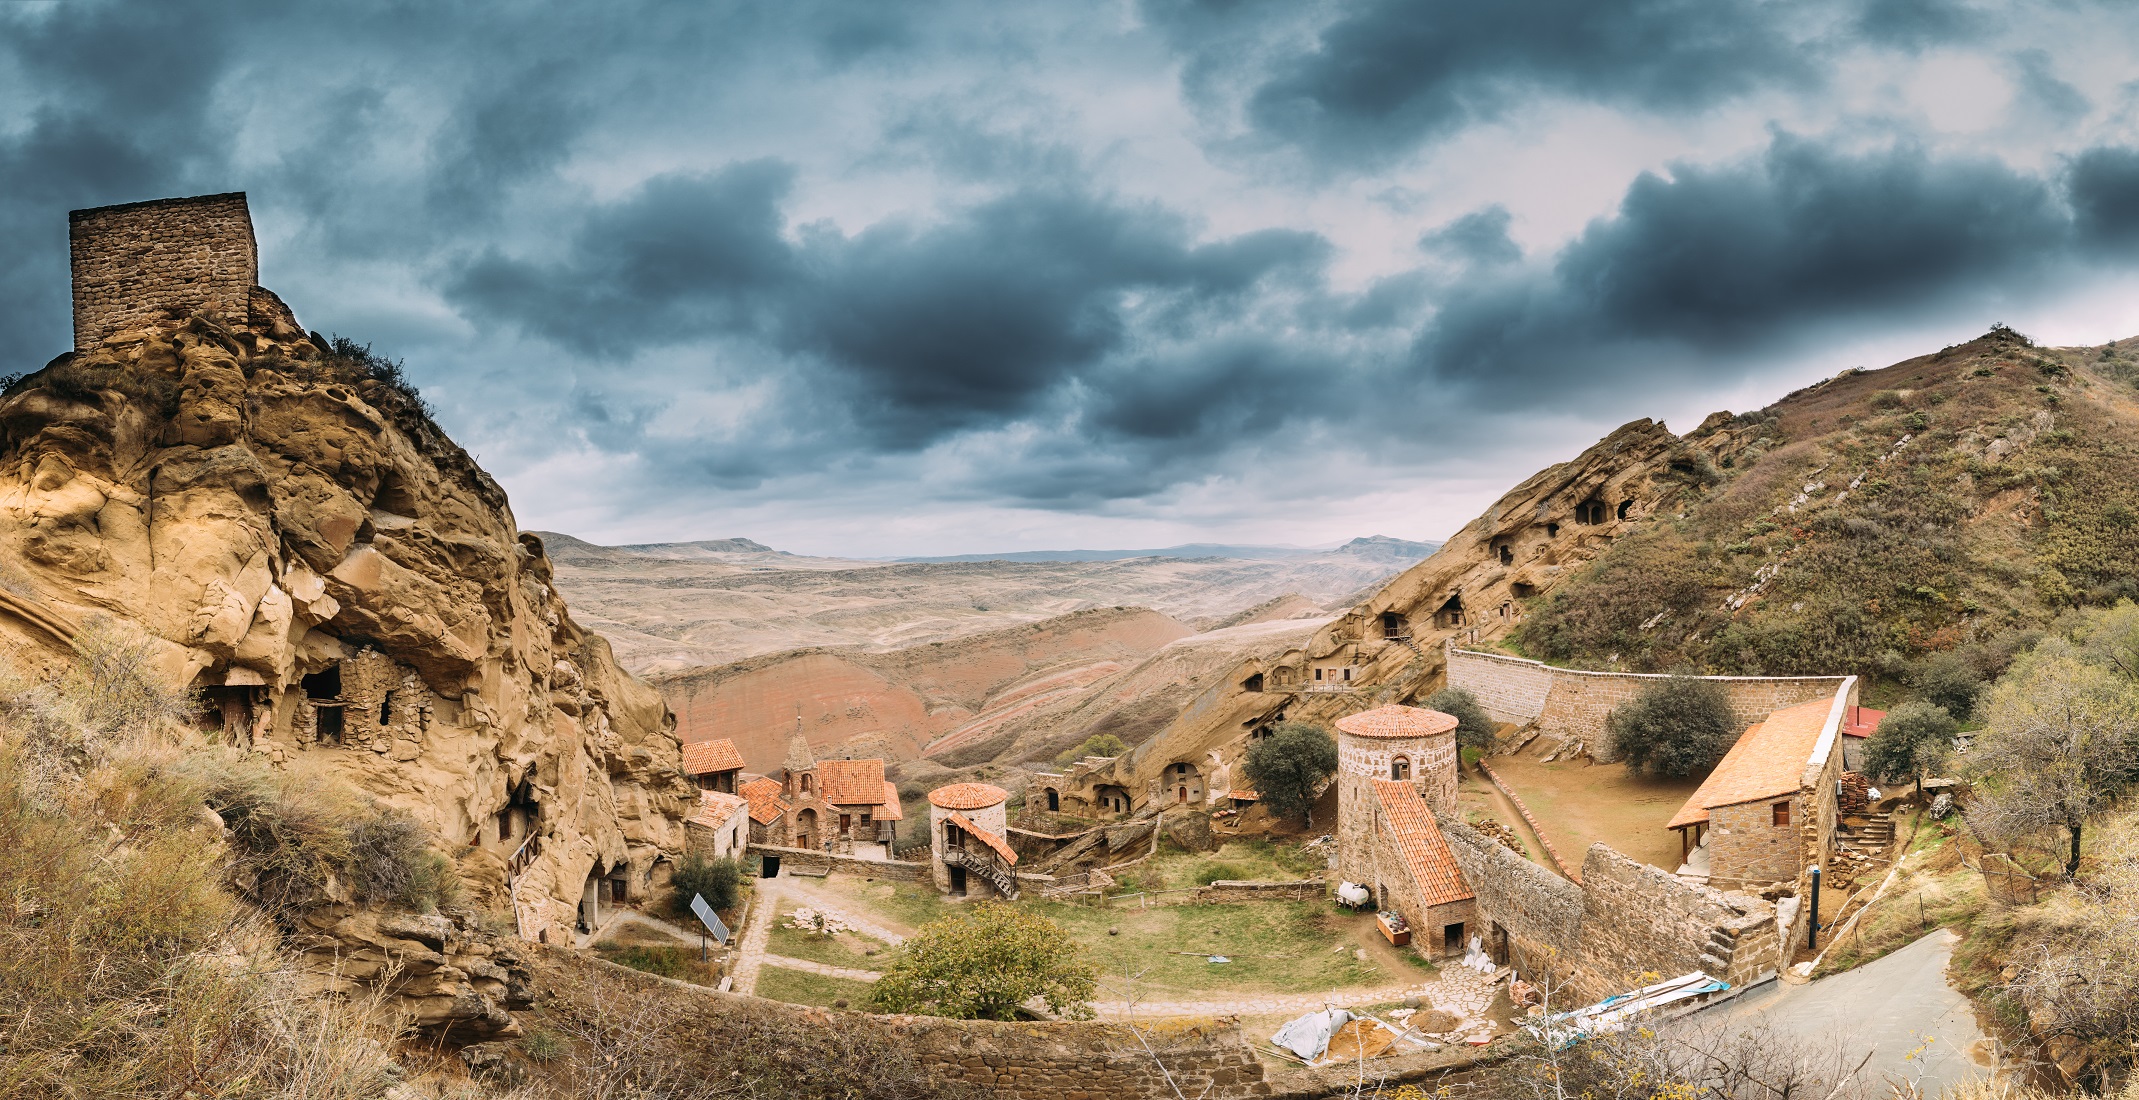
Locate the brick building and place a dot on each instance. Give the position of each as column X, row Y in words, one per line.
column 839, row 804
column 721, row 827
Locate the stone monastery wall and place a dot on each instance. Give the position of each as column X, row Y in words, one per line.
column 1574, row 703
column 145, row 261
column 1624, row 919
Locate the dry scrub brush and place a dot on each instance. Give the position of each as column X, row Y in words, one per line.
column 125, row 969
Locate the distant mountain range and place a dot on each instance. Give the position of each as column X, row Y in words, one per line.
column 1375, row 546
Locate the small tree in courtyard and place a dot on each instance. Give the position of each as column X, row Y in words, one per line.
column 1677, row 727
column 1289, row 767
column 2057, row 747
column 719, row 881
column 983, row 962
column 1912, row 739
column 1473, row 728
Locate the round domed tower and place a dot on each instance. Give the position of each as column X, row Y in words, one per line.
column 1407, row 744
column 986, row 806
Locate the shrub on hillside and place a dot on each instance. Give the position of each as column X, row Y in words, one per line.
column 1473, row 727
column 1290, row 766
column 719, row 881
column 1677, row 727
column 1912, row 739
column 1099, row 744
column 1221, row 872
column 1948, row 680
column 109, row 698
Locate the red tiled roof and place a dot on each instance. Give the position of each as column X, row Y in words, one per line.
column 766, row 805
column 1411, row 825
column 1395, row 721
column 851, row 782
column 717, row 808
column 1861, row 721
column 1002, row 849
column 718, row 755
column 968, row 796
column 889, row 809
column 1243, row 796
column 1768, row 761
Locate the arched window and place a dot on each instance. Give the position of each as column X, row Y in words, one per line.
column 1400, row 768
column 805, row 782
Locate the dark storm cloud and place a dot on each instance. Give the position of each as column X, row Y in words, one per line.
column 1715, row 261
column 1479, row 237
column 928, row 329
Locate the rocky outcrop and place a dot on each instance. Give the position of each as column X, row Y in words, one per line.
column 345, row 589
column 445, row 976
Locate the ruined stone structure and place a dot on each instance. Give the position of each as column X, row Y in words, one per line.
column 1575, row 704
column 1593, row 938
column 343, row 586
column 968, row 853
column 147, row 262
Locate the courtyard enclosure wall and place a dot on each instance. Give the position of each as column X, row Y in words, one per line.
column 1623, row 920
column 146, row 261
column 814, row 860
column 1574, row 703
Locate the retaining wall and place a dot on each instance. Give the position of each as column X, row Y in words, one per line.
column 811, row 859
column 1574, row 703
column 1225, row 890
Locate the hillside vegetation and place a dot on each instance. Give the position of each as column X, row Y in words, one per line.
column 1950, row 503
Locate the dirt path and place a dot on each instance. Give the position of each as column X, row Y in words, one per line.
column 644, row 921
column 1505, row 810
column 757, row 933
column 1461, row 992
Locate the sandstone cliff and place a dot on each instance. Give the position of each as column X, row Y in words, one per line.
column 345, row 589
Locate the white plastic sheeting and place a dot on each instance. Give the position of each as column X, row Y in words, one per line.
column 1309, row 1035
column 1612, row 1013
column 1477, row 959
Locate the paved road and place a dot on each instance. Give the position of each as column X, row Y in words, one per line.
column 1893, row 1005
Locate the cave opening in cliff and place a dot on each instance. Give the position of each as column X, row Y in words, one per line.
column 386, row 709
column 1253, row 683
column 1451, row 612
column 1625, row 507
column 1504, row 552
column 1591, row 512
column 1522, row 590
column 1392, row 625
column 327, row 724
column 324, row 684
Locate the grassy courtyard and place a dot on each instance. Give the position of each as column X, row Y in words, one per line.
column 801, row 988
column 847, row 949
column 1579, row 804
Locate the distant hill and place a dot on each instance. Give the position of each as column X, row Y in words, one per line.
column 1374, row 545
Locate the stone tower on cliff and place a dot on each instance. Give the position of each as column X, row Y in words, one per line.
column 143, row 262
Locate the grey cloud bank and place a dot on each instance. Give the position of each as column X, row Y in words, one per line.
column 929, row 278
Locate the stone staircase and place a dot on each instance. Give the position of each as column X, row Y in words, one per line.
column 1405, row 641
column 987, row 865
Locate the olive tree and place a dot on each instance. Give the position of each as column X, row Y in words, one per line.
column 1473, row 727
column 2057, row 747
column 1913, row 738
column 983, row 962
column 1290, row 766
column 1679, row 726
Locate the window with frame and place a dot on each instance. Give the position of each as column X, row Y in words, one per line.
column 1781, row 812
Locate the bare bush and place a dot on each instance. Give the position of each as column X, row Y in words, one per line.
column 109, row 697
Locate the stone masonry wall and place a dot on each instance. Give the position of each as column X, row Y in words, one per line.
column 1622, row 921
column 144, row 261
column 1638, row 920
column 1574, row 703
column 1745, row 845
column 813, row 859
column 1228, row 890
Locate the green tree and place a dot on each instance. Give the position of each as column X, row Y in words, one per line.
column 1679, row 726
column 1912, row 739
column 719, row 881
column 2057, row 747
column 1290, row 766
column 1949, row 680
column 983, row 962
column 1099, row 744
column 1473, row 727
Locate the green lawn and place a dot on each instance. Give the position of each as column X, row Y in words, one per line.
column 1249, row 860
column 849, row 949
column 1275, row 946
column 903, row 905
column 798, row 987
column 680, row 963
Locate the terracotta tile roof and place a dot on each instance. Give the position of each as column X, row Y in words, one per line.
column 766, row 805
column 1002, row 849
column 1395, row 721
column 719, row 755
column 717, row 808
column 1411, row 825
column 1861, row 721
column 1767, row 762
column 851, row 782
column 968, row 796
column 889, row 809
column 1244, row 796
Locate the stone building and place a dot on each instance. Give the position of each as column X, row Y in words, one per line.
column 146, row 262
column 845, row 806
column 1396, row 768
column 721, row 827
column 768, row 811
column 968, row 853
column 1415, row 874
column 1768, row 813
column 713, row 765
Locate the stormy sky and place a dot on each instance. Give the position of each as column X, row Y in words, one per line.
column 937, row 277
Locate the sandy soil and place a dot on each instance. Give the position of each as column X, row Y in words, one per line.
column 1578, row 805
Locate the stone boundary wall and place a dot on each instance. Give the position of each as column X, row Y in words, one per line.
column 1597, row 937
column 1025, row 1061
column 1523, row 808
column 810, row 859
column 144, row 261
column 1227, row 890
column 1575, row 703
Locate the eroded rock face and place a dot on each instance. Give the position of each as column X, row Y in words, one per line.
column 348, row 592
column 446, row 976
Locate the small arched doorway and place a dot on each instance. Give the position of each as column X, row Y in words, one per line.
column 1054, row 800
column 805, row 828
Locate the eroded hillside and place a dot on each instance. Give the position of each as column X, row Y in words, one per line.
column 1876, row 517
